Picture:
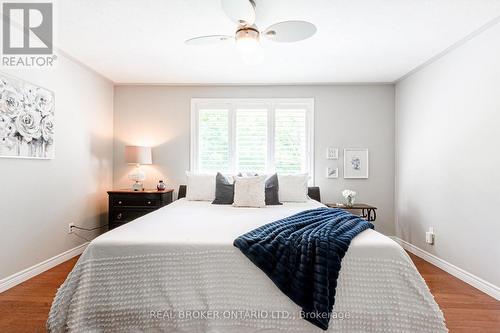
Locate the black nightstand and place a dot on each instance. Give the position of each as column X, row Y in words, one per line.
column 125, row 205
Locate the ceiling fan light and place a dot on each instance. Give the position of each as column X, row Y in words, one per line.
column 247, row 40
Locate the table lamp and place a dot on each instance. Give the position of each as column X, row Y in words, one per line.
column 139, row 156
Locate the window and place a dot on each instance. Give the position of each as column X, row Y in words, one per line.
column 252, row 135
column 214, row 144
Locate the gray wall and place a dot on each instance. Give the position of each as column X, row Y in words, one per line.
column 345, row 117
column 38, row 198
column 448, row 156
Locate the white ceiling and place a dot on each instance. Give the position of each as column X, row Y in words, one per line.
column 132, row 41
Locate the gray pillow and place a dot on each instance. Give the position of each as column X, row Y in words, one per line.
column 224, row 191
column 272, row 189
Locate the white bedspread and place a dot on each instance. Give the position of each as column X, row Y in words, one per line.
column 176, row 270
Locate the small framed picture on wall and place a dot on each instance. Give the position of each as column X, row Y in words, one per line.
column 356, row 163
column 332, row 153
column 332, row 172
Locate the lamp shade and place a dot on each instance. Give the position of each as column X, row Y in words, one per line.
column 138, row 155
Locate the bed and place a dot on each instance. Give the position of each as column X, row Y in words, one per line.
column 176, row 270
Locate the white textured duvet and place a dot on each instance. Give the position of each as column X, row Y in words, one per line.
column 176, row 270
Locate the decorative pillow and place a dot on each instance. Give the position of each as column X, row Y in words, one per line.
column 272, row 191
column 200, row 187
column 249, row 191
column 224, row 190
column 293, row 188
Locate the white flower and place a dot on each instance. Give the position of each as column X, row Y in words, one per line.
column 7, row 131
column 348, row 193
column 12, row 103
column 28, row 125
column 44, row 102
column 48, row 128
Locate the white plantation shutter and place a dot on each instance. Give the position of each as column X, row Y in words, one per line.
column 252, row 135
column 251, row 140
column 290, row 141
column 213, row 140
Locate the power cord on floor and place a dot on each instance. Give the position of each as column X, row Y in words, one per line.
column 84, row 229
column 89, row 229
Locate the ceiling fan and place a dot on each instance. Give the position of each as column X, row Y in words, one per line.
column 247, row 34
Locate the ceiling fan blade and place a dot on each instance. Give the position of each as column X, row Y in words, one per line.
column 241, row 12
column 290, row 31
column 207, row 40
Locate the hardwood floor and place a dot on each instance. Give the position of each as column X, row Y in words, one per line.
column 24, row 308
column 465, row 308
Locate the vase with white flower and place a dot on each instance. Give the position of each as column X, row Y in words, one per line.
column 349, row 196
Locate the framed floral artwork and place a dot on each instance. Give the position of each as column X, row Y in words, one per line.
column 356, row 163
column 26, row 119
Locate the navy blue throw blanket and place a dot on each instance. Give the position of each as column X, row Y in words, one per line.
column 302, row 253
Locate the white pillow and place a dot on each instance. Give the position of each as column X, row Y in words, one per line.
column 250, row 191
column 200, row 187
column 293, row 188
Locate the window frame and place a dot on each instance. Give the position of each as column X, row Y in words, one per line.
column 271, row 104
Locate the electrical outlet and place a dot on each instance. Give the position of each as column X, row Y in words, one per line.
column 70, row 228
column 430, row 236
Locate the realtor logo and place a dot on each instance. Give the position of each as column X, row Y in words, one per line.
column 27, row 29
column 33, row 33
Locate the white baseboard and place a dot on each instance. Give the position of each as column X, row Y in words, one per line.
column 17, row 278
column 476, row 282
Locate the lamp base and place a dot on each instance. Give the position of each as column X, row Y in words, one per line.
column 138, row 176
column 137, row 186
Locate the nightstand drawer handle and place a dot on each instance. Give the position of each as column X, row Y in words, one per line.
column 119, row 202
column 149, row 202
column 119, row 216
